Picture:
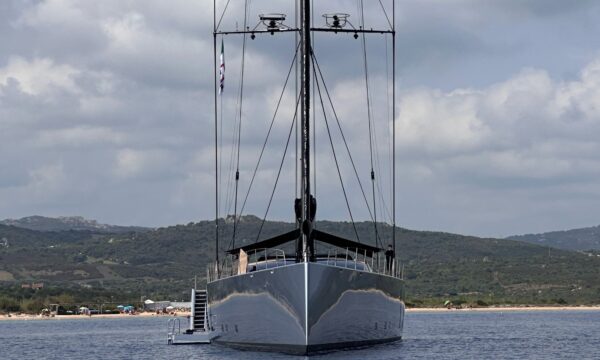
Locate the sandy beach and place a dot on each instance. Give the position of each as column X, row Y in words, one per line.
column 409, row 310
column 86, row 317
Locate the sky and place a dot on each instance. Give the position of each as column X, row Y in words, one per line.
column 106, row 111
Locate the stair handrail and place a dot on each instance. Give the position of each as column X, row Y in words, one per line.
column 171, row 326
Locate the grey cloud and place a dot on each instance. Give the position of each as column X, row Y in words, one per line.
column 496, row 134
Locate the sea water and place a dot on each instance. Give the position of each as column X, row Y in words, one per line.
column 441, row 335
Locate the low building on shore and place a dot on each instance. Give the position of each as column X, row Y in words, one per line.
column 150, row 305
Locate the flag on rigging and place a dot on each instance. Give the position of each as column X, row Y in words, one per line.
column 222, row 69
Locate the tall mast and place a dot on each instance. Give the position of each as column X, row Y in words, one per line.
column 305, row 206
column 394, row 127
column 307, row 248
column 216, row 139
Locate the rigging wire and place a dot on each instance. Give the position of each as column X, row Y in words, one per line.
column 234, row 140
column 384, row 13
column 372, row 133
column 378, row 181
column 318, row 68
column 229, row 187
column 270, row 128
column 229, row 198
column 222, row 15
column 372, row 136
column 378, row 169
column 264, row 145
column 384, row 209
column 220, row 174
column 369, row 114
column 383, row 206
column 389, row 115
column 337, row 165
column 279, row 171
column 237, row 170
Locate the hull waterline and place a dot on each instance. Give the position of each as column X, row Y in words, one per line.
column 306, row 307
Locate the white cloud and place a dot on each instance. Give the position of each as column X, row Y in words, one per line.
column 508, row 151
column 130, row 162
column 147, row 163
column 80, row 136
column 39, row 76
column 517, row 120
column 440, row 123
column 51, row 13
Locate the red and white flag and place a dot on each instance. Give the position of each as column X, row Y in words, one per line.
column 222, row 69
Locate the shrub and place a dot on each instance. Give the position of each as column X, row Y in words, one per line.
column 9, row 304
column 32, row 305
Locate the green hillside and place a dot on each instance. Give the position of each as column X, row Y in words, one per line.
column 65, row 223
column 161, row 263
column 575, row 239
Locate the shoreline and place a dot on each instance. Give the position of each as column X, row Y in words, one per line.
column 523, row 308
column 29, row 317
column 26, row 317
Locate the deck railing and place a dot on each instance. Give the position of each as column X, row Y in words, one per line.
column 353, row 258
column 262, row 259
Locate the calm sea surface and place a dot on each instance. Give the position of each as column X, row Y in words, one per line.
column 451, row 335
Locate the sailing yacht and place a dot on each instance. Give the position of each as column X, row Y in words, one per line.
column 260, row 297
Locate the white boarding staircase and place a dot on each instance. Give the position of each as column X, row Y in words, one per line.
column 198, row 331
column 198, row 319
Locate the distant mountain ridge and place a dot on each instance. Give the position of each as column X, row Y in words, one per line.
column 66, row 223
column 581, row 239
column 162, row 262
column 576, row 239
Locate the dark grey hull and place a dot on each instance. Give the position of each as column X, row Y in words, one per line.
column 306, row 307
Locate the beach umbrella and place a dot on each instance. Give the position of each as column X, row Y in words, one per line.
column 120, row 307
column 447, row 302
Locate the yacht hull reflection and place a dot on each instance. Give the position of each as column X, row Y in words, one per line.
column 306, row 307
